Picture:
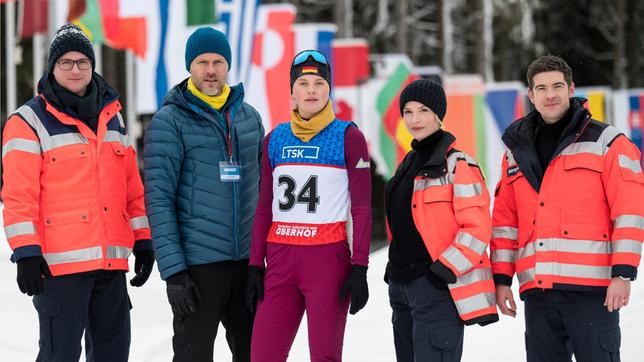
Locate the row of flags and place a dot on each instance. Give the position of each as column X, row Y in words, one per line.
column 366, row 87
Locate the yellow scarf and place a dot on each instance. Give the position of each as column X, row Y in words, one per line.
column 305, row 130
column 215, row 102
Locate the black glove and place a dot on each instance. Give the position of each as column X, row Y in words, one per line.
column 356, row 284
column 31, row 271
column 182, row 293
column 254, row 287
column 443, row 271
column 143, row 263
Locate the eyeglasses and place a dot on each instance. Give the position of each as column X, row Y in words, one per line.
column 67, row 65
column 301, row 57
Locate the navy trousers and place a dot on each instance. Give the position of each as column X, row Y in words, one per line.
column 562, row 323
column 426, row 325
column 222, row 287
column 94, row 303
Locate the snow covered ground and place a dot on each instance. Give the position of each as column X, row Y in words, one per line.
column 368, row 335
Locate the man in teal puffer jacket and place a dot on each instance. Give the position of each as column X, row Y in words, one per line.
column 201, row 166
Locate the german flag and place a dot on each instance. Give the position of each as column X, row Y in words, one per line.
column 309, row 69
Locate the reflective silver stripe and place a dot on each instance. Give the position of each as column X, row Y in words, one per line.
column 468, row 240
column 503, row 256
column 600, row 147
column 30, row 117
column 118, row 252
column 627, row 163
column 139, row 222
column 584, row 147
column 48, row 142
column 61, row 140
column 73, row 256
column 473, row 276
column 120, row 117
column 526, row 276
column 573, row 270
column 574, row 246
column 21, row 228
column 629, row 221
column 21, row 144
column 627, row 246
column 425, row 183
column 505, row 232
column 476, row 302
column 526, row 251
column 115, row 136
column 468, row 190
column 457, row 259
column 454, row 158
column 510, row 158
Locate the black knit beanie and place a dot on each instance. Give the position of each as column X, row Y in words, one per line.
column 67, row 39
column 310, row 66
column 426, row 92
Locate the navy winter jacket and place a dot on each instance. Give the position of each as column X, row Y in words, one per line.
column 194, row 217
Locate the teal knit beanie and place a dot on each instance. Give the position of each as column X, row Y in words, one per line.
column 207, row 40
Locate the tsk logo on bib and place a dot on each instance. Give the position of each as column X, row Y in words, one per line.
column 300, row 152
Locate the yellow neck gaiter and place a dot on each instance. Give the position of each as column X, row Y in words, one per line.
column 305, row 130
column 215, row 102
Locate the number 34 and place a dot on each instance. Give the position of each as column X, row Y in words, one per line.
column 307, row 195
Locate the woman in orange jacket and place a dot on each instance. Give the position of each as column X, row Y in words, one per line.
column 439, row 227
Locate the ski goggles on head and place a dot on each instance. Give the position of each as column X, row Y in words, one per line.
column 318, row 56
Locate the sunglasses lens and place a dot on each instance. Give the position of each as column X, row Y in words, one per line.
column 303, row 56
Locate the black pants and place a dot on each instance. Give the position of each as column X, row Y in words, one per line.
column 222, row 287
column 95, row 303
column 426, row 324
column 560, row 323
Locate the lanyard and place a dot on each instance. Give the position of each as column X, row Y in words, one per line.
column 229, row 141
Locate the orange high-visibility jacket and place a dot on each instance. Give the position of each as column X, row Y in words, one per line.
column 584, row 223
column 74, row 194
column 452, row 214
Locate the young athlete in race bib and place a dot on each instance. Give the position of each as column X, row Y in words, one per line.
column 315, row 175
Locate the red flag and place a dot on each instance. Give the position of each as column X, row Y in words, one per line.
column 76, row 9
column 123, row 32
column 32, row 17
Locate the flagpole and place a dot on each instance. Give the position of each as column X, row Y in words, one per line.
column 133, row 127
column 98, row 54
column 38, row 61
column 10, row 41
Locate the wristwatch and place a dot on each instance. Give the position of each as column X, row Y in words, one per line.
column 624, row 278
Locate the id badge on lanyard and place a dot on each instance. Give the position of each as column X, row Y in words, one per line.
column 229, row 171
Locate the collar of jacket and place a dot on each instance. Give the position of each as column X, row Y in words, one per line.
column 439, row 156
column 108, row 93
column 177, row 97
column 435, row 166
column 520, row 137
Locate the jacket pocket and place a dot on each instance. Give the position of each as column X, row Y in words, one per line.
column 442, row 193
column 126, row 231
column 67, row 153
column 449, row 340
column 610, row 342
column 594, row 164
column 67, row 230
column 48, row 309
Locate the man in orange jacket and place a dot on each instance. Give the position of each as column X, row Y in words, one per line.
column 568, row 220
column 74, row 207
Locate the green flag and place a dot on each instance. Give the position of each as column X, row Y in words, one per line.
column 200, row 12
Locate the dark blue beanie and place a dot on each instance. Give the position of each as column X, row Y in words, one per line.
column 207, row 40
